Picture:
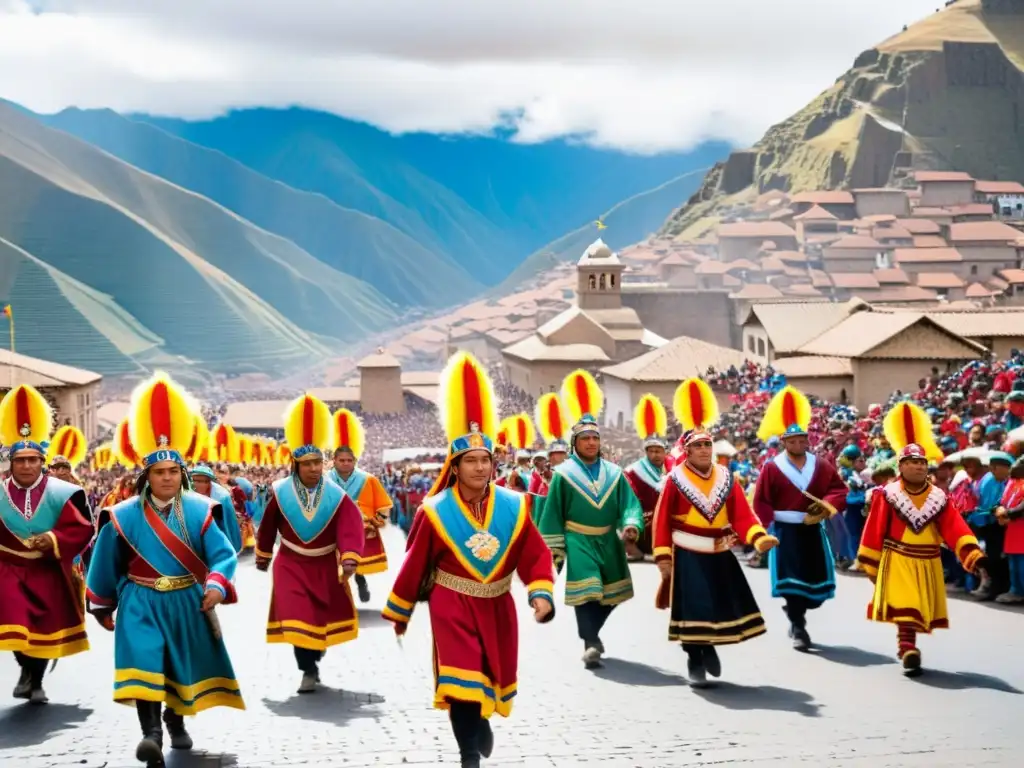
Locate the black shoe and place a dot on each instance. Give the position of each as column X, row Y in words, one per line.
column 470, row 762
column 23, row 689
column 485, row 738
column 912, row 663
column 175, row 724
column 712, row 664
column 599, row 645
column 364, row 591
column 150, row 752
column 151, row 749
column 801, row 639
column 697, row 673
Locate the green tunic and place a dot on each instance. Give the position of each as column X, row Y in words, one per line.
column 580, row 521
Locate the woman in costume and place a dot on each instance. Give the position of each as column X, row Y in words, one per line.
column 468, row 540
column 320, row 526
column 163, row 565
column 699, row 515
column 44, row 526
column 909, row 520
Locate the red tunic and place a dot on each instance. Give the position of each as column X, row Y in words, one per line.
column 648, row 496
column 476, row 637
column 42, row 601
column 311, row 605
column 775, row 491
column 538, row 485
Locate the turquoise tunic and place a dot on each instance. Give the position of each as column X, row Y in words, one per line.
column 164, row 648
column 228, row 520
column 585, row 508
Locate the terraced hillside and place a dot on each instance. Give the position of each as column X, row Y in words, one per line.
column 946, row 93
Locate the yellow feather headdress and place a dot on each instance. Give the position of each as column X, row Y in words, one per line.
column 695, row 405
column 308, row 428
column 103, row 457
column 199, row 449
column 26, row 421
column 788, row 413
column 245, row 449
column 906, row 424
column 552, row 420
column 520, row 430
column 68, row 443
column 224, row 445
column 349, row 432
column 283, row 455
column 651, row 421
column 161, row 421
column 124, row 451
column 582, row 396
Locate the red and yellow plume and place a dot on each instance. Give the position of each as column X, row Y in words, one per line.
column 70, row 443
column 789, row 407
column 348, row 432
column 552, row 420
column 25, row 416
column 650, row 417
column 906, row 424
column 244, row 449
column 308, row 427
column 283, row 455
column 162, row 416
column 124, row 451
column 102, row 457
column 695, row 405
column 467, row 398
column 520, row 430
column 581, row 395
column 199, row 449
column 224, row 444
column 502, row 438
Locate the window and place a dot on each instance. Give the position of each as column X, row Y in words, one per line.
column 593, row 282
column 750, row 343
column 974, row 269
column 601, row 282
column 611, row 279
column 760, row 347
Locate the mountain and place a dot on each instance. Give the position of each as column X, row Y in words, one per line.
column 485, row 202
column 946, row 93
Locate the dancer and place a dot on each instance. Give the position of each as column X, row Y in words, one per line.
column 163, row 565
column 204, row 482
column 588, row 504
column 908, row 522
column 366, row 491
column 468, row 539
column 647, row 475
column 700, row 514
column 44, row 526
column 794, row 495
column 311, row 605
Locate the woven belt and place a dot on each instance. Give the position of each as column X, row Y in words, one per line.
column 472, row 588
column 916, row 551
column 307, row 551
column 704, row 544
column 587, row 530
column 164, row 583
column 28, row 554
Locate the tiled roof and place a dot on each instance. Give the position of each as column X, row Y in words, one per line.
column 926, row 255
column 824, row 197
column 1013, row 276
column 815, row 213
column 939, row 280
column 982, row 324
column 757, row 291
column 929, row 241
column 862, row 332
column 679, row 359
column 41, row 373
column 533, row 349
column 759, row 229
column 920, row 226
column 891, row 276
column 999, row 187
column 979, row 291
column 854, row 280
column 982, row 231
column 925, row 211
column 791, row 257
column 856, row 241
column 925, row 177
column 790, row 326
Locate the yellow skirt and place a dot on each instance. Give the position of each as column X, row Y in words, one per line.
column 910, row 591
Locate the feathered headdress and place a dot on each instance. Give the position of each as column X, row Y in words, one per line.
column 696, row 409
column 308, row 428
column 909, row 431
column 283, row 455
column 199, row 449
column 124, row 451
column 584, row 401
column 349, row 432
column 224, row 445
column 651, row 421
column 788, row 415
column 553, row 422
column 68, row 446
column 521, row 432
column 26, row 421
column 102, row 457
column 161, row 421
column 469, row 412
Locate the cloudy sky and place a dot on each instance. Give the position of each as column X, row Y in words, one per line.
column 636, row 74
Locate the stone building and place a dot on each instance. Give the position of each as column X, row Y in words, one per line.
column 71, row 391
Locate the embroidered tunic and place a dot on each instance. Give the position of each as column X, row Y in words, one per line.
column 584, row 509
column 153, row 568
column 647, row 482
column 41, row 604
column 901, row 546
column 694, row 524
column 375, row 506
column 311, row 604
column 466, row 561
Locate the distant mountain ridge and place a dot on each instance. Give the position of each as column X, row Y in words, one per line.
column 268, row 237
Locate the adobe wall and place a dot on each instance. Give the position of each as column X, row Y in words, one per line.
column 705, row 315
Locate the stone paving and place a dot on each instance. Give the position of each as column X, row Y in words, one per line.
column 844, row 705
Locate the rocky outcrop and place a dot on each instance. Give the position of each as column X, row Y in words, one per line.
column 918, row 102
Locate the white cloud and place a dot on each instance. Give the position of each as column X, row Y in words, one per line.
column 636, row 74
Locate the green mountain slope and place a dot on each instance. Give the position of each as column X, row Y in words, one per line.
column 217, row 289
column 59, row 317
column 351, row 241
column 626, row 223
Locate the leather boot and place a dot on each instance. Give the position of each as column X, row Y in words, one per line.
column 151, row 749
column 176, row 730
